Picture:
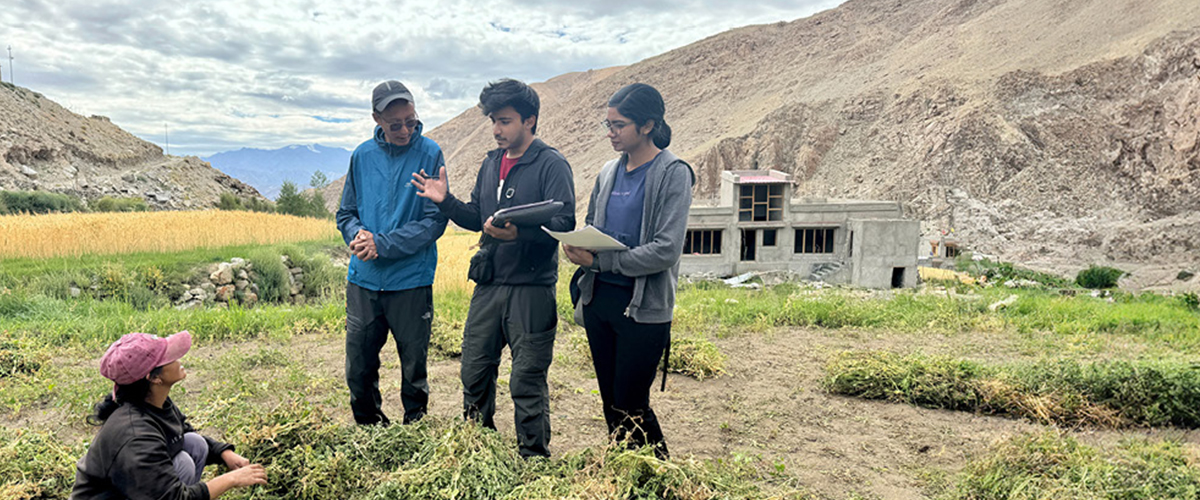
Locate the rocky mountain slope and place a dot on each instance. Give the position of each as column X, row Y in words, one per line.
column 1039, row 130
column 44, row 146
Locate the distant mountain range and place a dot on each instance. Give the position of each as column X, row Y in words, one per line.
column 267, row 169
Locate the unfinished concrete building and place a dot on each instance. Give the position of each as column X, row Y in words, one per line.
column 757, row 226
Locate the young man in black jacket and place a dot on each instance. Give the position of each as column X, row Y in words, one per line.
column 517, row 268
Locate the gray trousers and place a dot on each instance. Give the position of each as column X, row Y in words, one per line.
column 369, row 316
column 189, row 463
column 525, row 318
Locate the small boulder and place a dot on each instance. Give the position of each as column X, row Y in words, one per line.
column 223, row 275
column 225, row 292
column 241, row 284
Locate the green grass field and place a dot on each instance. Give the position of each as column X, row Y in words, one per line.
column 1080, row 362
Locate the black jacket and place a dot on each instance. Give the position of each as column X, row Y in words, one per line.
column 132, row 456
column 541, row 174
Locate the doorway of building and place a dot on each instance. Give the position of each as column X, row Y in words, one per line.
column 749, row 244
column 897, row 277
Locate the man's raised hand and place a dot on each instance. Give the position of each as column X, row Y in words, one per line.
column 433, row 188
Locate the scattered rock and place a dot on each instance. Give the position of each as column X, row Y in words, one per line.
column 29, row 172
column 241, row 284
column 250, row 298
column 75, row 292
column 1008, row 301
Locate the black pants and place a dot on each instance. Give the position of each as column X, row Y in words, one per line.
column 525, row 318
column 369, row 316
column 626, row 355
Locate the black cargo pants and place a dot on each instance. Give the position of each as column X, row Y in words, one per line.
column 525, row 318
column 369, row 316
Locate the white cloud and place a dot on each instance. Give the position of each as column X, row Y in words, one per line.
column 231, row 74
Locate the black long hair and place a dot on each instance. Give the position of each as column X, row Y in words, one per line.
column 128, row 393
column 641, row 103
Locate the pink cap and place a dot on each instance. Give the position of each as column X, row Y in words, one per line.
column 134, row 355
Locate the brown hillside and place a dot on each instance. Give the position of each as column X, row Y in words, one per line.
column 1060, row 130
column 46, row 147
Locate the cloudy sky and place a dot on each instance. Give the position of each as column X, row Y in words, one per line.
column 221, row 75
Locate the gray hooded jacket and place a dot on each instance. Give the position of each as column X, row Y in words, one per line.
column 654, row 263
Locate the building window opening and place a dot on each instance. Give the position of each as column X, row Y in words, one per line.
column 702, row 242
column 760, row 203
column 814, row 240
column 769, row 236
column 952, row 251
column 897, row 277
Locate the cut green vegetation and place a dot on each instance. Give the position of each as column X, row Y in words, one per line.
column 308, row 456
column 1065, row 392
column 1052, row 465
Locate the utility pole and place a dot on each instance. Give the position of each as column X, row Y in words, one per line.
column 10, row 69
column 167, row 138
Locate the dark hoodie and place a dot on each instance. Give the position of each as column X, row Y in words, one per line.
column 541, row 174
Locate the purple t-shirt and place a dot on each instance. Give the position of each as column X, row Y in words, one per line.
column 623, row 215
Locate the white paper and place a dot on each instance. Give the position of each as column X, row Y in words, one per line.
column 588, row 238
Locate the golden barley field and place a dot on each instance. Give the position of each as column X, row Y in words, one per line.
column 57, row 235
column 455, row 249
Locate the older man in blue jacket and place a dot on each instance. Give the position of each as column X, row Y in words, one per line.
column 392, row 233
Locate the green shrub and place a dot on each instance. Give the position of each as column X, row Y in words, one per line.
column 38, row 202
column 120, row 204
column 228, row 201
column 255, row 204
column 114, row 281
column 1098, row 277
column 142, row 298
column 152, row 278
column 1190, row 300
column 270, row 275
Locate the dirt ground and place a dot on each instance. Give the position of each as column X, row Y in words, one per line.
column 769, row 404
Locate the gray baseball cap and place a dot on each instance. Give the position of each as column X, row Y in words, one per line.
column 387, row 92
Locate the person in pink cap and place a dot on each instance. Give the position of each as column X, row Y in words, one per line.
column 146, row 448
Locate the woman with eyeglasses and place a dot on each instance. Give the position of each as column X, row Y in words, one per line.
column 626, row 297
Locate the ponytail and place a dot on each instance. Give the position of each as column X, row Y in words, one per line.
column 661, row 135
